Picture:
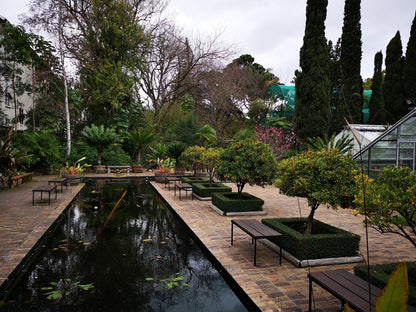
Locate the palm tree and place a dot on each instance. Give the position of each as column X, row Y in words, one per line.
column 99, row 137
column 206, row 134
column 141, row 137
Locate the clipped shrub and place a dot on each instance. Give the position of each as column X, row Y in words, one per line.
column 192, row 180
column 206, row 190
column 325, row 241
column 229, row 202
column 380, row 273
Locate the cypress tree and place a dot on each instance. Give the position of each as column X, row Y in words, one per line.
column 409, row 66
column 392, row 87
column 351, row 92
column 337, row 120
column 376, row 105
column 313, row 86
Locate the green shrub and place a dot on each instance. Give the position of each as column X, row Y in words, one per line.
column 114, row 155
column 380, row 273
column 229, row 202
column 205, row 190
column 325, row 241
column 192, row 180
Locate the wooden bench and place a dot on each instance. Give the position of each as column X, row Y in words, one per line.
column 109, row 168
column 44, row 189
column 59, row 181
column 171, row 179
column 256, row 230
column 183, row 186
column 19, row 179
column 348, row 288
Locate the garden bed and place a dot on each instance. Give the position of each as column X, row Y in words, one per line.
column 229, row 204
column 380, row 273
column 203, row 191
column 326, row 244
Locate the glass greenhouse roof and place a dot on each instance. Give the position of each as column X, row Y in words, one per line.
column 395, row 147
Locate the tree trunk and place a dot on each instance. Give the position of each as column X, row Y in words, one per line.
column 310, row 219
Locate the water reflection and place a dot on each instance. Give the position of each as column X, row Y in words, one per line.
column 132, row 263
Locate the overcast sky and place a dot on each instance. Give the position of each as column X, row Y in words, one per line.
column 272, row 30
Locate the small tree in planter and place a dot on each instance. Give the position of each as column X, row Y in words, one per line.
column 249, row 162
column 325, row 177
column 210, row 159
column 192, row 158
column 175, row 150
column 390, row 202
column 139, row 138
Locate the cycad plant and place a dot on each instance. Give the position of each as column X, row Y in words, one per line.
column 175, row 150
column 343, row 145
column 99, row 137
column 141, row 137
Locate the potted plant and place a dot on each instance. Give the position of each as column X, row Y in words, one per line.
column 139, row 138
column 73, row 173
column 163, row 170
column 99, row 137
column 243, row 162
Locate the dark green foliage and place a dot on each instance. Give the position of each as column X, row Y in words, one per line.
column 205, row 190
column 376, row 106
column 114, row 155
column 229, row 202
column 409, row 66
column 392, row 87
column 380, row 274
column 313, row 87
column 351, row 91
column 192, row 180
column 343, row 145
column 325, row 241
column 175, row 150
column 99, row 137
column 337, row 120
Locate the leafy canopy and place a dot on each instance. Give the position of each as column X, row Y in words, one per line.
column 390, row 202
column 325, row 177
column 248, row 161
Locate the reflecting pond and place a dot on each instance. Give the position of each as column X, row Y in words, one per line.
column 143, row 259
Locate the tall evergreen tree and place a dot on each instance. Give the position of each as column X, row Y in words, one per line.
column 376, row 105
column 313, row 86
column 409, row 66
column 351, row 92
column 337, row 120
column 392, row 87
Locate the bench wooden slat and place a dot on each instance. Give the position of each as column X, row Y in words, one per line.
column 348, row 288
column 338, row 290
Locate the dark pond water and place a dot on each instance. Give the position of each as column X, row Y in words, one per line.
column 143, row 260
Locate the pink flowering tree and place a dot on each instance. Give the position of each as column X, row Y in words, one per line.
column 279, row 140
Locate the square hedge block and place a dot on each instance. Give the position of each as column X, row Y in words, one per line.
column 228, row 202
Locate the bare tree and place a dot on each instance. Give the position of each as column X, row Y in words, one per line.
column 172, row 64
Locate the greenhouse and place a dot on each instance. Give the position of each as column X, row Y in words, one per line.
column 284, row 101
column 395, row 147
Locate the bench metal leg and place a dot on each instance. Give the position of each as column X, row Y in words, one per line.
column 255, row 251
column 310, row 295
column 33, row 198
column 232, row 228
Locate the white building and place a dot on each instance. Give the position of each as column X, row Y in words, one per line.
column 14, row 110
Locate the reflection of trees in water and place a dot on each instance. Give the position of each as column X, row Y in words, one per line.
column 124, row 257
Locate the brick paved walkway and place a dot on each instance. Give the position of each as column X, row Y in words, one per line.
column 271, row 286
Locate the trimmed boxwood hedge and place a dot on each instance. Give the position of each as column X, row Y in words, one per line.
column 380, row 273
column 228, row 202
column 325, row 241
column 192, row 180
column 204, row 190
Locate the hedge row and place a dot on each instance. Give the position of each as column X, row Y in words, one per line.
column 380, row 273
column 325, row 241
column 227, row 202
column 204, row 190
